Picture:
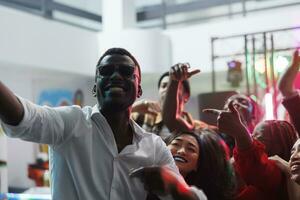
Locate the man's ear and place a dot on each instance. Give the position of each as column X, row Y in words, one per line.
column 94, row 90
column 140, row 91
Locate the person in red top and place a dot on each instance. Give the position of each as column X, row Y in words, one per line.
column 251, row 161
column 278, row 136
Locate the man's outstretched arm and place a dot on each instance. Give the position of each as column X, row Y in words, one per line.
column 11, row 110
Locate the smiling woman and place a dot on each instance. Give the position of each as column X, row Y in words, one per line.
column 203, row 161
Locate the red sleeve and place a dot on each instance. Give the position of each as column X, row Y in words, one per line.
column 256, row 169
column 250, row 193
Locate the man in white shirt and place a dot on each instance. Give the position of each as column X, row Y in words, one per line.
column 93, row 149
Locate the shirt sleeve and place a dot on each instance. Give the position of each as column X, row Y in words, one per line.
column 256, row 169
column 163, row 156
column 292, row 105
column 199, row 193
column 43, row 124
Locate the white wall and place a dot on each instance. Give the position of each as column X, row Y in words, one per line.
column 30, row 40
column 151, row 48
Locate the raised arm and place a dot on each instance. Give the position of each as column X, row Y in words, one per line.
column 251, row 161
column 172, row 110
column 146, row 107
column 230, row 123
column 291, row 99
column 11, row 110
column 287, row 79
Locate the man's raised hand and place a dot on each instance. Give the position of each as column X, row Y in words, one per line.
column 229, row 121
column 180, row 72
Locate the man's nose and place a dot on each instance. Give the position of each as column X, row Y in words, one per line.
column 295, row 155
column 116, row 74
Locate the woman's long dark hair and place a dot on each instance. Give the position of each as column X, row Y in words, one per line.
column 214, row 175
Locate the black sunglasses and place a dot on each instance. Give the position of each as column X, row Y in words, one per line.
column 126, row 71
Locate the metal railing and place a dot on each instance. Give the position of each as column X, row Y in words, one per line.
column 46, row 8
column 160, row 12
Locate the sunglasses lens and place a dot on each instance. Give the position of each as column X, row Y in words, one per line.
column 126, row 71
column 106, row 71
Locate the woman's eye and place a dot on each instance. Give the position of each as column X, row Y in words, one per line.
column 175, row 144
column 164, row 86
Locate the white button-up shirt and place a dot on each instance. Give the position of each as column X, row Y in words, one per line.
column 84, row 160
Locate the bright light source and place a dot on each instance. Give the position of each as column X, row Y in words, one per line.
column 269, row 106
column 252, row 96
column 260, row 66
column 27, row 196
column 281, row 63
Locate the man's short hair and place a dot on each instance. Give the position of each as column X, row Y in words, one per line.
column 185, row 83
column 123, row 52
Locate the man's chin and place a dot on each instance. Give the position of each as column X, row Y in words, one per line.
column 115, row 106
column 296, row 178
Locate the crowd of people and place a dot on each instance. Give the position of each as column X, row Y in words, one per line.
column 124, row 148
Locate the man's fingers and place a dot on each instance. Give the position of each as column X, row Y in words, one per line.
column 240, row 105
column 296, row 56
column 139, row 172
column 231, row 107
column 212, row 111
column 296, row 53
column 193, row 72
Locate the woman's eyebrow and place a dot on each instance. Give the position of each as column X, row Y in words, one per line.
column 191, row 144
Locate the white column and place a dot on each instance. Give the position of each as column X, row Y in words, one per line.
column 118, row 15
column 151, row 48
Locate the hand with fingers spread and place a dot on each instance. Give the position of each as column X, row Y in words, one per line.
column 176, row 97
column 180, row 72
column 151, row 178
column 162, row 181
column 287, row 79
column 146, row 107
column 229, row 122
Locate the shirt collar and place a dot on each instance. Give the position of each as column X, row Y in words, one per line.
column 138, row 131
column 95, row 109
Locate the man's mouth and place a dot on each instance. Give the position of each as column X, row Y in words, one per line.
column 180, row 159
column 114, row 88
column 295, row 167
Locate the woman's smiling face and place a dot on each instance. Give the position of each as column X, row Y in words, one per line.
column 185, row 151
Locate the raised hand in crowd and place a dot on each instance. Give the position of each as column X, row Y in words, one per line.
column 291, row 99
column 173, row 106
column 161, row 180
column 286, row 81
column 180, row 72
column 230, row 123
column 146, row 107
